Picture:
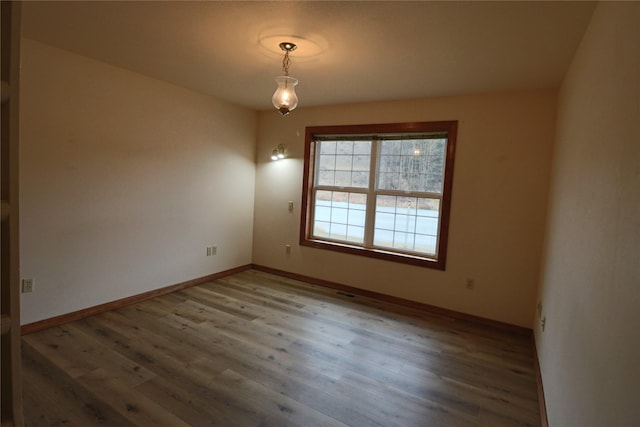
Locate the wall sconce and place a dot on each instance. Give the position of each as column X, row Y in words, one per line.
column 285, row 98
column 278, row 153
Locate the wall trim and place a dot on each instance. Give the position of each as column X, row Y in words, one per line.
column 507, row 327
column 544, row 421
column 80, row 314
column 86, row 312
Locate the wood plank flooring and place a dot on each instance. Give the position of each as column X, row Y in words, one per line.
column 255, row 349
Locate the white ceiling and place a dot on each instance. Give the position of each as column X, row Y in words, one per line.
column 349, row 51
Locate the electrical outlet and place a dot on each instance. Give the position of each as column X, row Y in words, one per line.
column 212, row 250
column 471, row 284
column 543, row 323
column 27, row 286
column 539, row 308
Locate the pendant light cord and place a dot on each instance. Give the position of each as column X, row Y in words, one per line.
column 286, row 61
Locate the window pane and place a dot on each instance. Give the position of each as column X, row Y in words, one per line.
column 345, row 147
column 338, row 198
column 425, row 244
column 406, row 223
column 362, row 147
column 414, row 182
column 437, row 147
column 434, row 183
column 389, row 163
column 326, row 177
column 343, row 179
column 361, row 163
column 327, row 162
column 391, row 147
column 321, row 228
column 322, row 213
column 429, row 207
column 418, row 165
column 383, row 238
column 338, row 231
column 356, row 217
column 344, row 163
column 388, row 181
column 327, row 147
column 357, row 211
column 360, row 179
column 428, row 226
column 323, row 196
column 355, row 234
column 403, row 241
column 385, row 221
column 340, row 215
column 386, row 202
column 358, row 199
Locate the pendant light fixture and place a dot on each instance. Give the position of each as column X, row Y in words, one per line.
column 285, row 98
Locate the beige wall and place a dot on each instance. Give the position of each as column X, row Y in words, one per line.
column 125, row 180
column 590, row 349
column 499, row 202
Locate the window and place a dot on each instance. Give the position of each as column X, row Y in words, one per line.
column 380, row 190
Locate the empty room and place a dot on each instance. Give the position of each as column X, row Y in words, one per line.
column 309, row 213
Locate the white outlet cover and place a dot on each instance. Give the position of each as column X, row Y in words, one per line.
column 27, row 285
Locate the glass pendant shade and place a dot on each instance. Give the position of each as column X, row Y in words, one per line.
column 285, row 98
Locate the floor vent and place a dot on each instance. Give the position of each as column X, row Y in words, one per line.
column 346, row 294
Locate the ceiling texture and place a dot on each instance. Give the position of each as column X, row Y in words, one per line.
column 348, row 51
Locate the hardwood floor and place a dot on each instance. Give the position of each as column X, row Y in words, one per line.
column 255, row 349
